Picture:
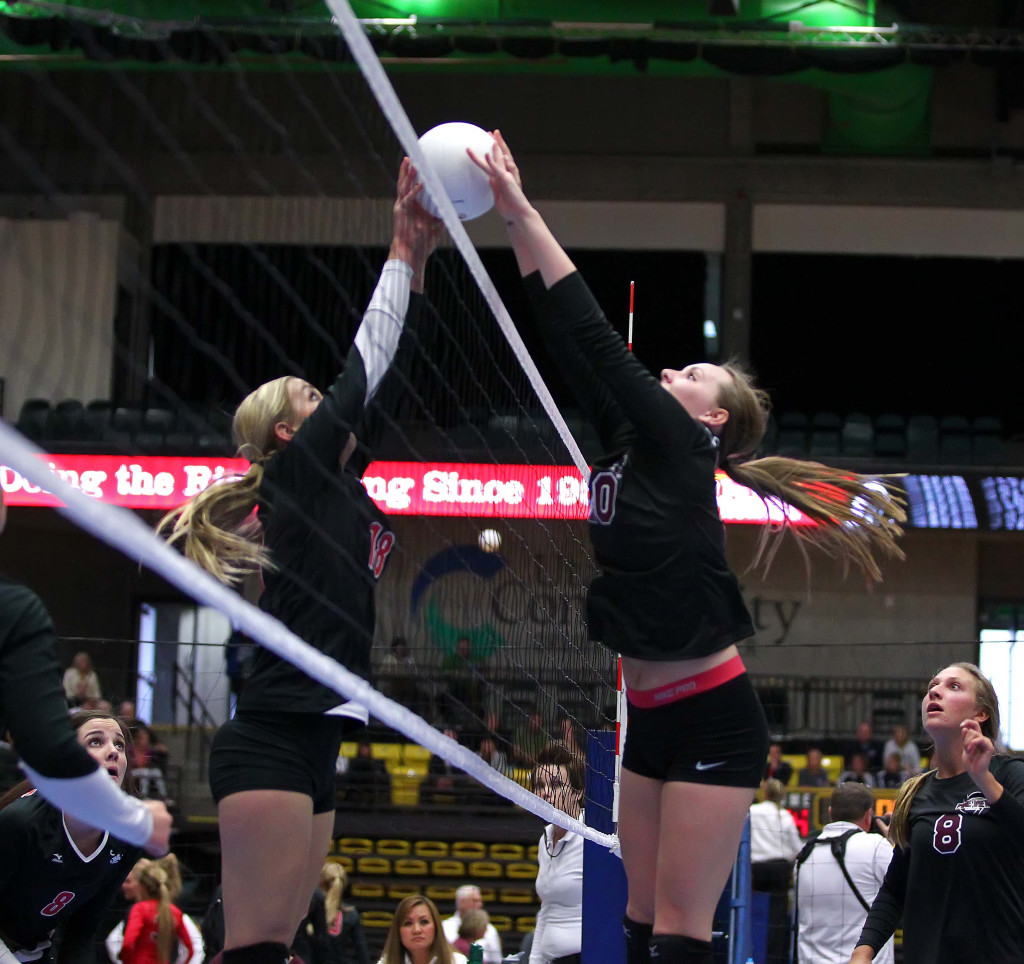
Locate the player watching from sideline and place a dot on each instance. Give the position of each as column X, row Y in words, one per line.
column 57, row 870
column 321, row 544
column 665, row 598
column 838, row 874
column 957, row 874
column 34, row 711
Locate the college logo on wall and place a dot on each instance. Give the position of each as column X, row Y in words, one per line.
column 440, row 591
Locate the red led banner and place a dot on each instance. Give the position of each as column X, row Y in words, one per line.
column 399, row 488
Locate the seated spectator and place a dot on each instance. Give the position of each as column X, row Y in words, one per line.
column 398, row 674
column 148, row 762
column 366, row 780
column 471, row 930
column 858, row 772
column 463, row 705
column 80, row 681
column 530, row 737
column 468, row 898
column 777, row 768
column 864, row 742
column 893, row 776
column 568, row 734
column 830, row 913
column 910, row 755
column 346, row 939
column 495, row 758
column 442, row 777
column 813, row 775
column 417, row 937
column 774, row 844
column 126, row 710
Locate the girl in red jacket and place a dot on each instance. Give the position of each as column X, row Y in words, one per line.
column 154, row 925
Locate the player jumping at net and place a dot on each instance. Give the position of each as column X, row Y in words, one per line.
column 324, row 546
column 696, row 736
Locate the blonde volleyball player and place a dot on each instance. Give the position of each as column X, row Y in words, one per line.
column 665, row 599
column 324, row 545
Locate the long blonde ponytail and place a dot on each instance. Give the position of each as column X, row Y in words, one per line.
column 332, row 882
column 856, row 515
column 153, row 880
column 217, row 529
column 899, row 827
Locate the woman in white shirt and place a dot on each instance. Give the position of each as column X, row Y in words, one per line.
column 416, row 935
column 558, row 779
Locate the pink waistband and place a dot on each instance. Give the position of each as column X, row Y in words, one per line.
column 691, row 686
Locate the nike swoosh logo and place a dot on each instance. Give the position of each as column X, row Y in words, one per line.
column 710, row 766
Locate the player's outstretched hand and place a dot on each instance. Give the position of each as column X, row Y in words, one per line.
column 416, row 233
column 500, row 166
column 159, row 841
column 978, row 750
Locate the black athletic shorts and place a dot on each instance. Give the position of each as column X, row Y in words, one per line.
column 279, row 751
column 719, row 737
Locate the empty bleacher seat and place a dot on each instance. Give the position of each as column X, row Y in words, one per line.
column 514, row 895
column 488, row 894
column 97, row 419
column 525, row 925
column 430, row 848
column 157, row 424
column 502, row 923
column 448, row 868
column 484, row 868
column 377, row 919
column 521, row 870
column 987, row 445
column 346, row 863
column 532, row 851
column 405, row 790
column 858, row 436
column 415, row 758
column 891, row 436
column 353, row 845
column 436, row 893
column 824, row 439
column 792, row 438
column 369, row 891
column 399, row 891
column 379, row 866
column 922, row 438
column 34, row 419
column 506, row 851
column 391, row 847
column 469, row 849
column 412, row 867
column 68, row 421
column 955, row 439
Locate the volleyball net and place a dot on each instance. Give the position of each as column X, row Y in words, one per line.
column 170, row 240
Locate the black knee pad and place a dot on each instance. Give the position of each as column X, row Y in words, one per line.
column 676, row 949
column 265, row 953
column 638, row 937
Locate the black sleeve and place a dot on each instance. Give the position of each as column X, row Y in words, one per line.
column 601, row 409
column 1008, row 810
column 32, row 702
column 887, row 907
column 13, row 841
column 569, row 314
column 353, row 925
column 79, row 931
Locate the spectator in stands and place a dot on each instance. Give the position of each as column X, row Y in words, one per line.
column 864, row 742
column 155, row 926
column 530, row 737
column 777, row 768
column 830, row 913
column 471, row 930
column 80, row 681
column 309, row 945
column 858, row 772
column 569, row 734
column 366, row 780
column 813, row 775
column 398, row 674
column 148, row 761
column 468, row 898
column 558, row 779
column 893, row 776
column 495, row 758
column 464, row 706
column 774, row 844
column 346, row 939
column 910, row 755
column 442, row 777
column 417, row 937
column 127, row 711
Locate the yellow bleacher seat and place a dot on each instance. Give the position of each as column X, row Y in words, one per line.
column 347, row 863
column 512, row 895
column 377, row 918
column 506, row 851
column 430, row 848
column 436, row 893
column 405, row 790
column 469, row 849
column 400, row 891
column 373, row 865
column 390, row 847
column 532, row 851
column 411, row 867
column 386, row 751
column 484, row 868
column 832, row 765
column 521, row 870
column 354, row 845
column 521, row 776
column 371, row 891
column 448, row 868
column 501, row 922
column 524, row 925
column 415, row 758
column 349, row 749
column 488, row 894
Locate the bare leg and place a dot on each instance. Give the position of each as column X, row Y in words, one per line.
column 700, row 834
column 639, row 828
column 266, row 840
column 320, row 842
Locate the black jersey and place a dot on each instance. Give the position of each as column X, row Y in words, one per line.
column 46, row 882
column 327, row 539
column 32, row 702
column 960, row 885
column 665, row 590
